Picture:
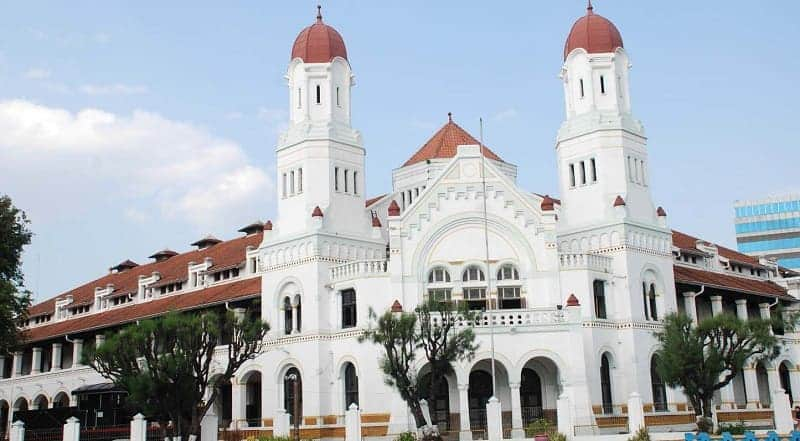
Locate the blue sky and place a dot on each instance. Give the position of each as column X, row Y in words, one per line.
column 129, row 127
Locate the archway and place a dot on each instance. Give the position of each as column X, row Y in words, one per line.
column 40, row 402
column 480, row 390
column 20, row 405
column 605, row 385
column 438, row 401
column 539, row 390
column 350, row 385
column 61, row 400
column 5, row 409
column 223, row 403
column 786, row 384
column 657, row 387
column 293, row 393
column 763, row 385
column 252, row 394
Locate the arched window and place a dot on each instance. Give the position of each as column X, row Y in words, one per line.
column 474, row 287
column 599, row 288
column 605, row 384
column 651, row 294
column 288, row 322
column 786, row 385
column 350, row 385
column 439, row 287
column 293, row 394
column 509, row 287
column 291, row 182
column 659, row 389
column 299, row 315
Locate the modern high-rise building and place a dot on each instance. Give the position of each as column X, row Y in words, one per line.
column 770, row 227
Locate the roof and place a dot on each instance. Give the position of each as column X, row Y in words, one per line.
column 225, row 253
column 593, row 33
column 318, row 43
column 688, row 242
column 125, row 314
column 728, row 282
column 371, row 201
column 444, row 144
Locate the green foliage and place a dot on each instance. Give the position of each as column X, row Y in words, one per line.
column 406, row 436
column 556, row 436
column 165, row 363
column 14, row 298
column 641, row 435
column 734, row 428
column 704, row 358
column 430, row 329
column 269, row 438
column 539, row 426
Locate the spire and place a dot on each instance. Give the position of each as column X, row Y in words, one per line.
column 589, row 8
column 319, row 13
column 449, row 116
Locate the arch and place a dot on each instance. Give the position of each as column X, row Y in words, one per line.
column 40, row 402
column 293, row 393
column 5, row 415
column 783, row 375
column 531, row 396
column 350, row 384
column 251, row 381
column 543, row 404
column 762, row 380
column 61, row 400
column 652, row 288
column 21, row 403
column 657, row 386
column 223, row 404
column 606, row 395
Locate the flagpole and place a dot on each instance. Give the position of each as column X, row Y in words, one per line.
column 488, row 272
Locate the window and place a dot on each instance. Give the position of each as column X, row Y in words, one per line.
column 291, row 182
column 319, row 95
column 599, row 289
column 473, row 274
column 439, row 275
column 630, row 169
column 337, row 97
column 299, row 98
column 644, row 181
column 508, row 290
column 293, row 394
column 288, row 319
column 438, row 279
column 355, row 182
column 644, row 300
column 659, row 390
column 348, row 308
column 602, row 85
column 336, row 178
column 300, row 180
column 581, row 83
column 572, row 175
column 474, row 290
column 439, row 294
column 350, row 385
column 605, row 385
column 284, row 185
column 593, row 169
column 652, row 296
column 507, row 272
column 583, row 173
column 345, row 180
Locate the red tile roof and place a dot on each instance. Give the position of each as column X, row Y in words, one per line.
column 687, row 242
column 319, row 43
column 593, row 33
column 445, row 142
column 125, row 314
column 713, row 279
column 371, row 201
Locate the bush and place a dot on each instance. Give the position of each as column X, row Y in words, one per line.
column 272, row 438
column 539, row 427
column 734, row 429
column 406, row 436
column 556, row 436
column 641, row 435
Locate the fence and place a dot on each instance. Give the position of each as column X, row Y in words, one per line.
column 44, row 434
column 109, row 433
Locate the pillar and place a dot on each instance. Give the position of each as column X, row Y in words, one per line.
column 36, row 361
column 77, row 352
column 517, row 431
column 138, row 428
column 465, row 433
column 763, row 309
column 17, row 431
column 494, row 420
column 99, row 339
column 55, row 363
column 635, row 413
column 237, row 399
column 565, row 423
column 741, row 309
column 690, row 305
column 239, row 313
column 794, row 382
column 352, row 423
column 280, row 423
column 773, row 380
column 727, row 400
column 72, row 430
column 209, row 425
column 17, row 364
column 751, row 387
column 2, row 366
column 782, row 413
column 295, row 328
column 716, row 305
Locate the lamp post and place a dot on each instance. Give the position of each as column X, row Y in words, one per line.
column 295, row 404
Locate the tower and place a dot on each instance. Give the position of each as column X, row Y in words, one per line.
column 601, row 147
column 320, row 159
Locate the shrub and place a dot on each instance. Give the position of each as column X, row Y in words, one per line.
column 641, row 435
column 555, row 435
column 538, row 427
column 406, row 436
column 734, row 429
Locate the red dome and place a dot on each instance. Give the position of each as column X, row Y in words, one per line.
column 318, row 43
column 593, row 33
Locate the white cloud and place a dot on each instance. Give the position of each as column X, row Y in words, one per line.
column 37, row 73
column 113, row 89
column 75, row 159
column 505, row 115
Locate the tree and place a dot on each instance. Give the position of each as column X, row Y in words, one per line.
column 165, row 364
column 704, row 358
column 431, row 329
column 14, row 298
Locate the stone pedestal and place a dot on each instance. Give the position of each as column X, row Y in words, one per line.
column 494, row 420
column 635, row 413
column 352, row 424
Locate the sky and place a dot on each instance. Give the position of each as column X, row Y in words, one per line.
column 128, row 127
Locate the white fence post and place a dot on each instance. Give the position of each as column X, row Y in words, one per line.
column 17, row 431
column 209, row 426
column 426, row 411
column 564, row 416
column 352, row 423
column 138, row 428
column 635, row 413
column 784, row 423
column 280, row 424
column 72, row 429
column 494, row 420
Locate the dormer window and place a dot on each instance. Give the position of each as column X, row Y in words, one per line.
column 226, row 274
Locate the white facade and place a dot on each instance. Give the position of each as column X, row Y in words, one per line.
column 577, row 289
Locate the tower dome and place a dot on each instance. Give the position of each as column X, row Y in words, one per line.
column 593, row 33
column 318, row 43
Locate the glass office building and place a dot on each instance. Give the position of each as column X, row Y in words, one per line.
column 771, row 228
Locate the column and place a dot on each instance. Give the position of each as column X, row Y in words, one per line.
column 36, row 361
column 763, row 309
column 2, row 366
column 295, row 328
column 794, row 382
column 465, row 433
column 741, row 309
column 751, row 387
column 17, row 364
column 517, row 431
column 77, row 352
column 773, row 380
column 99, row 339
column 237, row 398
column 690, row 305
column 726, row 393
column 55, row 364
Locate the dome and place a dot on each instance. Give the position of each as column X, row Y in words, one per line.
column 593, row 33
column 318, row 43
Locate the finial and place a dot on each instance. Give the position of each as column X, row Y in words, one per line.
column 589, row 7
column 450, row 116
column 319, row 13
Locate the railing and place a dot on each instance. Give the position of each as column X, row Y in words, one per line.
column 358, row 268
column 56, row 434
column 533, row 413
column 585, row 261
column 108, row 433
column 509, row 318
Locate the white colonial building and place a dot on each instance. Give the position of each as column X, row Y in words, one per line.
column 575, row 287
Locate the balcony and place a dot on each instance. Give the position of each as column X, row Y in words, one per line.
column 358, row 269
column 505, row 319
column 585, row 261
